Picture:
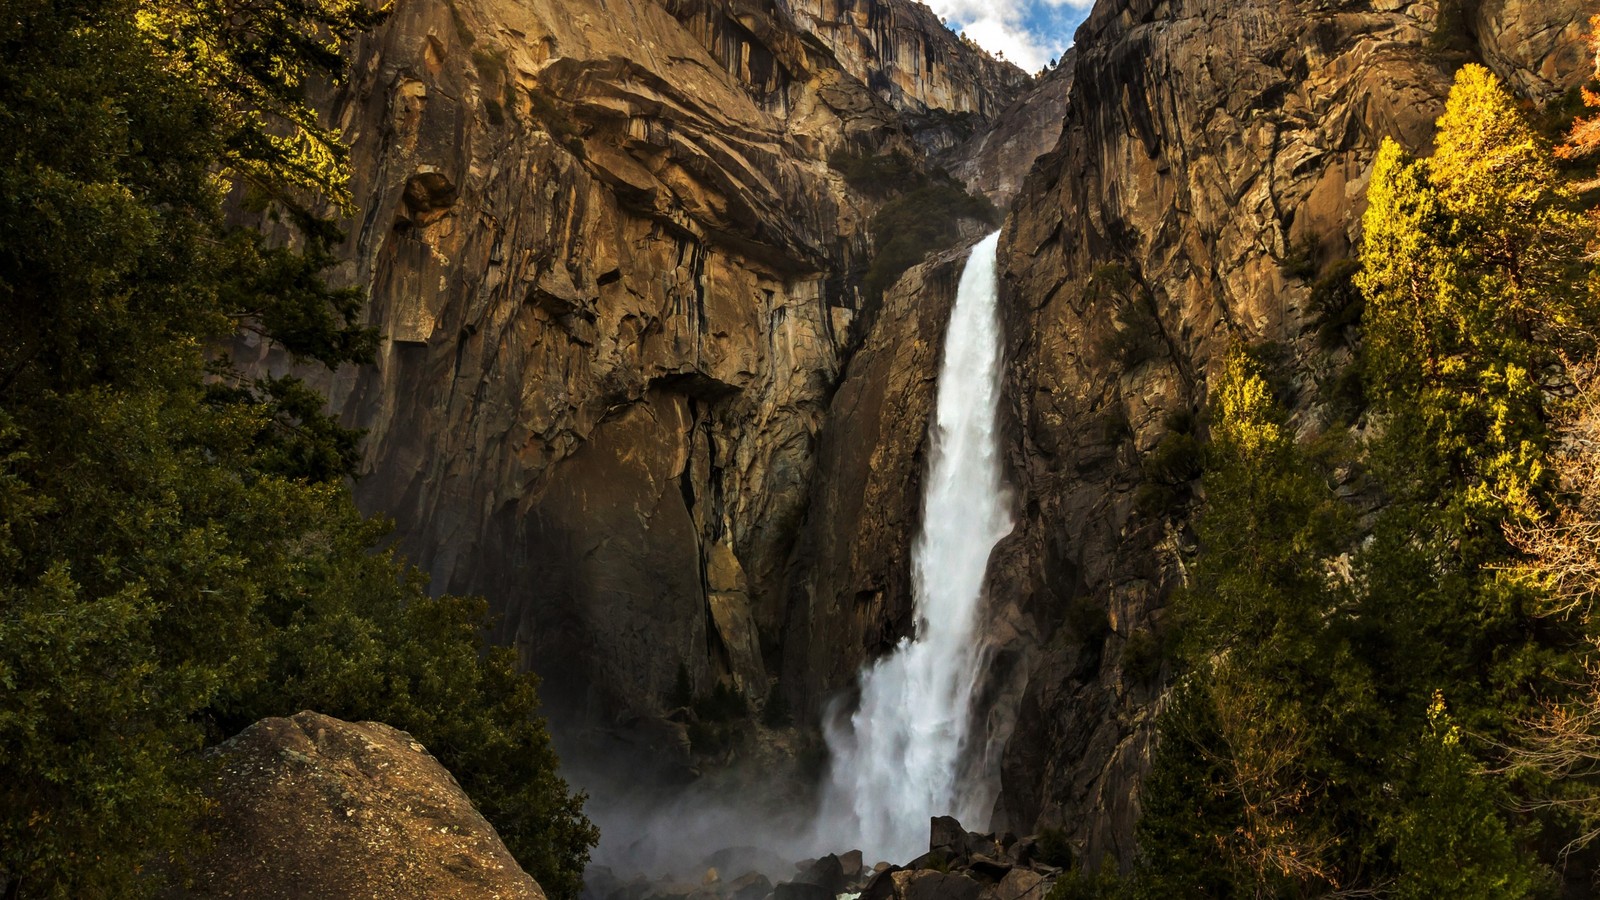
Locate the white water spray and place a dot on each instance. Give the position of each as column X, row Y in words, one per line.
column 899, row 759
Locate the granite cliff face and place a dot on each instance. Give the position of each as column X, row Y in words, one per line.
column 1214, row 156
column 612, row 269
column 629, row 390
column 995, row 161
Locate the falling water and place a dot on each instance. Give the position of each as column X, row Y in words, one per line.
column 897, row 760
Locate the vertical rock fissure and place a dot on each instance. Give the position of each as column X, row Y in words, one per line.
column 898, row 759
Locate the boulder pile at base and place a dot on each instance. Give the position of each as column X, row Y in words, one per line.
column 959, row 865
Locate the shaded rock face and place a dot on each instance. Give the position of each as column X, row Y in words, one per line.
column 608, row 260
column 850, row 596
column 1205, row 144
column 311, row 806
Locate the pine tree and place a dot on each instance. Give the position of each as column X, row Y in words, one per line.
column 1311, row 749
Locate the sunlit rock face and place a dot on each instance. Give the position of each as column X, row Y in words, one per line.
column 611, row 267
column 1213, row 162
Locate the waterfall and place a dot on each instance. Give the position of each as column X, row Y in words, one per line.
column 897, row 760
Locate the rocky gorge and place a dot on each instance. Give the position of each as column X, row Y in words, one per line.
column 632, row 390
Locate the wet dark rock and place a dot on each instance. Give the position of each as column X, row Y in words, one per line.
column 850, row 862
column 826, row 873
column 881, row 885
column 932, row 885
column 678, row 890
column 741, row 860
column 1023, row 852
column 1018, row 884
column 752, row 886
column 985, row 868
column 946, row 832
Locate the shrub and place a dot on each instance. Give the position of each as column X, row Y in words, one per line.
column 1136, row 335
column 1054, row 850
column 878, row 174
column 912, row 225
column 1142, row 655
column 1337, row 302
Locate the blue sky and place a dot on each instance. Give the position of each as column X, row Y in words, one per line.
column 1028, row 32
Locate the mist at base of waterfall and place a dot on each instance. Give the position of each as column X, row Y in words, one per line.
column 901, row 749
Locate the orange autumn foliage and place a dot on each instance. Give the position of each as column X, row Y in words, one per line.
column 1584, row 138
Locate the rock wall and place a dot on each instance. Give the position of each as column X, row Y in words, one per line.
column 1210, row 151
column 610, row 266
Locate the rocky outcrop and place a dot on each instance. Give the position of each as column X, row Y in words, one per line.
column 610, row 265
column 311, row 806
column 950, row 90
column 1214, row 157
column 1536, row 45
column 995, row 161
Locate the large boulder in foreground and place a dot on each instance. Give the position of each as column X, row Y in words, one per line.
column 311, row 806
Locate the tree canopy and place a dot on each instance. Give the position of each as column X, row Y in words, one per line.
column 179, row 553
column 1357, row 676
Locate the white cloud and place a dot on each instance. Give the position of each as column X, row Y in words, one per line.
column 999, row 36
column 1002, row 26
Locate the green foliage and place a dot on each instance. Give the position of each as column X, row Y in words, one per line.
column 1171, row 466
column 178, row 554
column 255, row 69
column 1474, row 280
column 1268, row 521
column 1450, row 837
column 1142, row 655
column 1289, row 761
column 1302, row 259
column 1136, row 335
column 909, row 227
column 921, row 213
column 1077, row 884
column 1186, row 804
column 1054, row 849
column 878, row 174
